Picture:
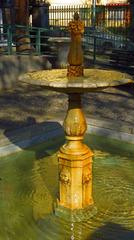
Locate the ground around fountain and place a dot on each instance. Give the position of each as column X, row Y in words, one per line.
column 25, row 105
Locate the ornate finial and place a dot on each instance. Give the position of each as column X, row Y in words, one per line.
column 75, row 55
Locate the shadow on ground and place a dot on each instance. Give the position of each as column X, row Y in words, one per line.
column 24, row 105
column 37, row 133
column 111, row 104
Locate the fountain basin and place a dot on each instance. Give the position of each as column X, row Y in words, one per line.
column 29, row 184
column 93, row 80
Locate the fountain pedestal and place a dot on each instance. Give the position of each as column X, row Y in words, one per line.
column 75, row 165
column 75, row 160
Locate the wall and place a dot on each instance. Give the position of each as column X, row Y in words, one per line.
column 12, row 66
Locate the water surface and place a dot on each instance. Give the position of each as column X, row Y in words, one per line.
column 29, row 186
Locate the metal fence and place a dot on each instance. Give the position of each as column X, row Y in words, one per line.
column 112, row 17
column 105, row 26
column 61, row 15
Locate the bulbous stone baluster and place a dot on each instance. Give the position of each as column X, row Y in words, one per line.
column 75, row 123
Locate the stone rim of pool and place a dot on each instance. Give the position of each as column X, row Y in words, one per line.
column 25, row 137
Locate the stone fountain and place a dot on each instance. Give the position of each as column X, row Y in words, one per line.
column 75, row 201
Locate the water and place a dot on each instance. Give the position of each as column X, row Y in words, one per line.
column 29, row 186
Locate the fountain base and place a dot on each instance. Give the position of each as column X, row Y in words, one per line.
column 76, row 215
column 75, row 161
column 75, row 175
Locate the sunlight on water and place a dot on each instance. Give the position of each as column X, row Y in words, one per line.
column 29, row 186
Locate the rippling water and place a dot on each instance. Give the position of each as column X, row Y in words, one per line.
column 29, row 186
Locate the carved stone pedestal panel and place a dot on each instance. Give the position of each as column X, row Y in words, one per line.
column 75, row 161
column 75, row 176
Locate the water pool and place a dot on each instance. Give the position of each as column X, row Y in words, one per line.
column 29, row 186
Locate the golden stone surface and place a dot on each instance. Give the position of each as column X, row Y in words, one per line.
column 57, row 80
column 76, row 71
column 75, row 55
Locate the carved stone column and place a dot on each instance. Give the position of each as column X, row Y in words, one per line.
column 75, row 162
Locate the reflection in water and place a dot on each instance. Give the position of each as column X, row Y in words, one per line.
column 42, row 199
column 29, row 185
column 72, row 230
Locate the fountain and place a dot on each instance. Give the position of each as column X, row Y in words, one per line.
column 75, row 201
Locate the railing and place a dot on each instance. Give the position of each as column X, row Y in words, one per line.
column 23, row 40
column 100, row 46
column 112, row 20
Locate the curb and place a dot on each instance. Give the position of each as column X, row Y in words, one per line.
column 14, row 141
column 21, row 139
column 111, row 129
